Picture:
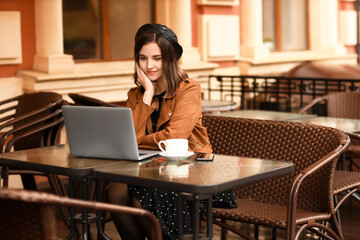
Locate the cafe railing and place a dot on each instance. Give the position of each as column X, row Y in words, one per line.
column 276, row 92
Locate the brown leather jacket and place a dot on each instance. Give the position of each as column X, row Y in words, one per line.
column 180, row 117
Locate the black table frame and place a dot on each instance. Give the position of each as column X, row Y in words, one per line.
column 84, row 170
column 196, row 192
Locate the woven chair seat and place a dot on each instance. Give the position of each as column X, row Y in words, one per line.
column 250, row 211
column 345, row 180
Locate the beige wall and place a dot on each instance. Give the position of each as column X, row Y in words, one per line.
column 218, row 37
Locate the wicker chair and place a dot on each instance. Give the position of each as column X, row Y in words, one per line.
column 303, row 199
column 48, row 127
column 30, row 121
column 344, row 105
column 347, row 183
column 20, row 116
column 30, row 215
column 341, row 105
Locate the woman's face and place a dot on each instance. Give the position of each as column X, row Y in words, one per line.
column 150, row 61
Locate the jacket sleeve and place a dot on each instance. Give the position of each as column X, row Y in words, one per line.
column 140, row 112
column 185, row 115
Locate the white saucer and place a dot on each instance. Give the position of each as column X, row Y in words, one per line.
column 176, row 157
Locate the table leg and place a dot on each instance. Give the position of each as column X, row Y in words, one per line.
column 209, row 218
column 71, row 211
column 180, row 217
column 196, row 216
column 85, row 222
column 98, row 213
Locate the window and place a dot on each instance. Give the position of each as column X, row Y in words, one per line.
column 285, row 24
column 103, row 29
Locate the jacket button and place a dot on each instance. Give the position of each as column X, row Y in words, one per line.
column 169, row 114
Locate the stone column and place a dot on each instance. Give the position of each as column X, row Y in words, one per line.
column 252, row 31
column 324, row 27
column 50, row 57
column 176, row 14
column 180, row 20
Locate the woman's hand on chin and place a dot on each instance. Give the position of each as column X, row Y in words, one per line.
column 144, row 80
column 147, row 85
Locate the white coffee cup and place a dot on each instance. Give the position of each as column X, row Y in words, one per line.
column 174, row 146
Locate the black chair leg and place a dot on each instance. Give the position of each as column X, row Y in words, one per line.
column 223, row 231
column 256, row 231
column 337, row 214
column 274, row 233
column 28, row 182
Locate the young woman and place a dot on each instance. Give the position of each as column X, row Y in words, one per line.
column 165, row 104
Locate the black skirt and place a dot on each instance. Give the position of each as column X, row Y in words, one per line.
column 163, row 204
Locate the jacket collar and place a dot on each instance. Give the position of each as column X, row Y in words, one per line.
column 173, row 95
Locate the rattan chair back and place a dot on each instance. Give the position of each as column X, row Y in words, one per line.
column 25, row 109
column 340, row 105
column 29, row 121
column 307, row 146
column 343, row 105
column 47, row 102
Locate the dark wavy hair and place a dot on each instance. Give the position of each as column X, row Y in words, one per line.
column 173, row 74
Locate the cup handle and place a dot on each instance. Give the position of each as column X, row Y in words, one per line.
column 161, row 147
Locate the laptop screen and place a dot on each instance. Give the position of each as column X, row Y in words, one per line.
column 102, row 132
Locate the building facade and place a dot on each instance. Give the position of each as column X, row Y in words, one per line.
column 38, row 51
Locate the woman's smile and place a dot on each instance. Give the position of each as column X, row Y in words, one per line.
column 151, row 72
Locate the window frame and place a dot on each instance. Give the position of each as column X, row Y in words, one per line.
column 105, row 33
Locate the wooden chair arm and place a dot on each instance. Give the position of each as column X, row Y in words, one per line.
column 48, row 199
column 32, row 131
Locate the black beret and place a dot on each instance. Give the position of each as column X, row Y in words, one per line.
column 163, row 30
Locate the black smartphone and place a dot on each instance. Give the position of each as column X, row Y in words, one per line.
column 205, row 157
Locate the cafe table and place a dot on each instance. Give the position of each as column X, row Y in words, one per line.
column 199, row 179
column 217, row 106
column 264, row 115
column 344, row 124
column 57, row 160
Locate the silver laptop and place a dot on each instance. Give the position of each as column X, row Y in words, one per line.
column 102, row 132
